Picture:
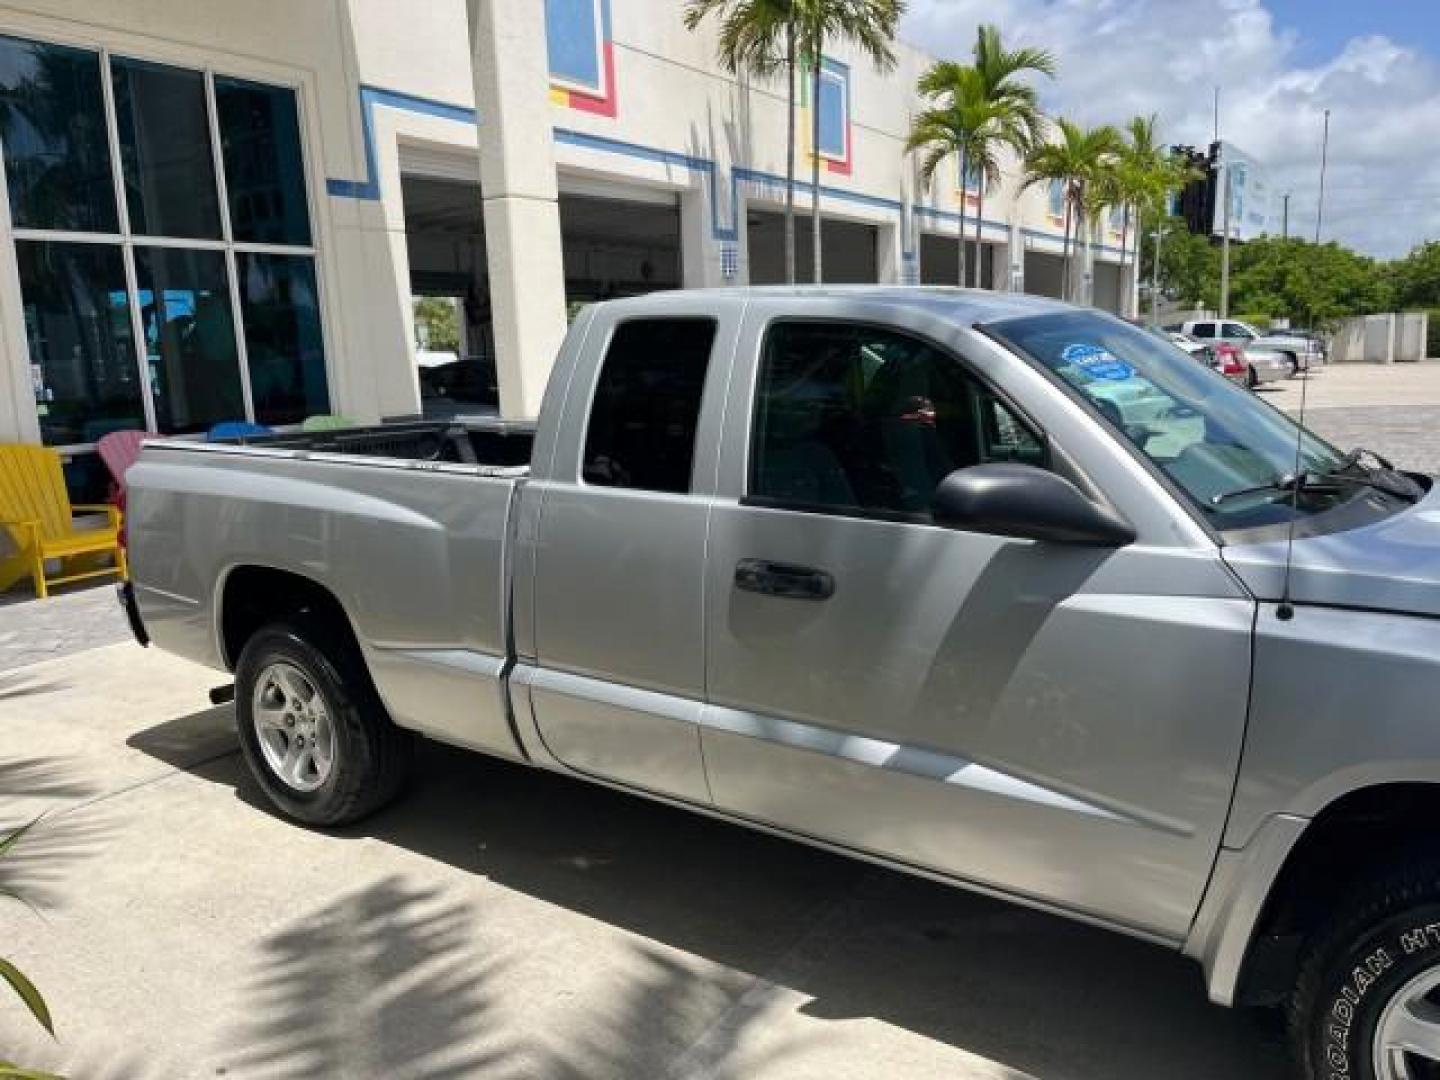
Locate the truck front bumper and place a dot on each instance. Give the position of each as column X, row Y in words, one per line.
column 125, row 592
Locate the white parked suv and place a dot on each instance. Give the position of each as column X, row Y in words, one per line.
column 1300, row 353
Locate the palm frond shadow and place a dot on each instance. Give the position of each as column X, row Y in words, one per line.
column 22, row 683
column 381, row 982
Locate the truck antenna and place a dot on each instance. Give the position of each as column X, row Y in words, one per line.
column 1285, row 611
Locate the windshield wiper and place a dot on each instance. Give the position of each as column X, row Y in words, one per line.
column 1386, row 478
column 1286, row 482
column 1396, row 484
column 1350, row 460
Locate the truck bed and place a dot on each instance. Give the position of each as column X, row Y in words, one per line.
column 471, row 441
column 405, row 526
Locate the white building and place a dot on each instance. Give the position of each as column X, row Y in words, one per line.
column 254, row 192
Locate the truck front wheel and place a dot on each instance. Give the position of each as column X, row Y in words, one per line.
column 312, row 728
column 1367, row 1004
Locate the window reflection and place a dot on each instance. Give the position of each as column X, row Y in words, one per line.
column 189, row 338
column 82, row 353
column 281, row 314
column 52, row 125
column 165, row 150
column 264, row 169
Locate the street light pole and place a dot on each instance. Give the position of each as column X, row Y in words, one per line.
column 1285, row 217
column 1324, row 151
column 1225, row 245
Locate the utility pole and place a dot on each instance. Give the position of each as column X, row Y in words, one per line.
column 1225, row 242
column 1324, row 151
column 1285, row 217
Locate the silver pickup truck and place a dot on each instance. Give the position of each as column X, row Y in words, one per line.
column 981, row 587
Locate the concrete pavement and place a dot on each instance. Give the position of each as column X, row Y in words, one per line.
column 503, row 922
column 1393, row 409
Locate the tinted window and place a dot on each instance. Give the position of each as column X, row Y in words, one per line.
column 165, row 150
column 281, row 313
column 189, row 338
column 859, row 418
column 1203, row 329
column 647, row 405
column 82, row 351
column 264, row 170
column 52, row 124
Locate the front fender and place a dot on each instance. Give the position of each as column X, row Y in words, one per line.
column 1341, row 700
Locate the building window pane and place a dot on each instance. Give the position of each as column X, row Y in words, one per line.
column 283, row 345
column 52, row 124
column 264, row 169
column 165, row 150
column 189, row 338
column 647, row 405
column 82, row 353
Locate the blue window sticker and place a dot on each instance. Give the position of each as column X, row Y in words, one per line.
column 1097, row 362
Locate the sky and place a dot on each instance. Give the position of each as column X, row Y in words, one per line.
column 1279, row 64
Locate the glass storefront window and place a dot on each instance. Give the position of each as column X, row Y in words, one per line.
column 281, row 313
column 189, row 338
column 52, row 125
column 82, row 351
column 181, row 345
column 264, row 169
column 165, row 150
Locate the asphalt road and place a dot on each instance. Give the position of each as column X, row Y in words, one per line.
column 502, row 922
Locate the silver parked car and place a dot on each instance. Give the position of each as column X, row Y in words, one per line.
column 981, row 587
column 1300, row 352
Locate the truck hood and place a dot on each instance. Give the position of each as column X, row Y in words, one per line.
column 1389, row 565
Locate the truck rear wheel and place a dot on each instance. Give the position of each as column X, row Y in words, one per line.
column 313, row 730
column 1367, row 1004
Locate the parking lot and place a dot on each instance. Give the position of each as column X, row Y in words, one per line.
column 511, row 923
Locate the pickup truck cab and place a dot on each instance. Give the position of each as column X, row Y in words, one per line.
column 1299, row 353
column 978, row 586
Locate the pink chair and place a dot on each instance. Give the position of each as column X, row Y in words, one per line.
column 119, row 450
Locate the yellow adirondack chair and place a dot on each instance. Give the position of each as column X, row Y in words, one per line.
column 35, row 510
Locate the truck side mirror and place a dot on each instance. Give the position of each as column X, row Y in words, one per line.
column 1009, row 499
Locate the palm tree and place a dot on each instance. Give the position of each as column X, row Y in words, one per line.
column 761, row 37
column 978, row 110
column 868, row 25
column 1000, row 69
column 1145, row 176
column 1077, row 161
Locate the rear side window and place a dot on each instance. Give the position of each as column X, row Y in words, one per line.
column 647, row 405
column 861, row 419
column 1203, row 329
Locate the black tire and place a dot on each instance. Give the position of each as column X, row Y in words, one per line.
column 1386, row 935
column 372, row 756
column 1251, row 379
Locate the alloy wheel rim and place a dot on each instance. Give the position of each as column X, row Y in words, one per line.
column 1407, row 1035
column 293, row 727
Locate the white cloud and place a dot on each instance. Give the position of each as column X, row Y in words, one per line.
column 1119, row 58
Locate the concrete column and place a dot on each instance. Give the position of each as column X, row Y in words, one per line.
column 519, row 197
column 889, row 260
column 702, row 258
column 1015, row 256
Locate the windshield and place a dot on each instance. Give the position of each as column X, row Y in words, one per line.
column 1210, row 436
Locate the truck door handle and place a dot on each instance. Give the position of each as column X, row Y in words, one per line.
column 783, row 579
